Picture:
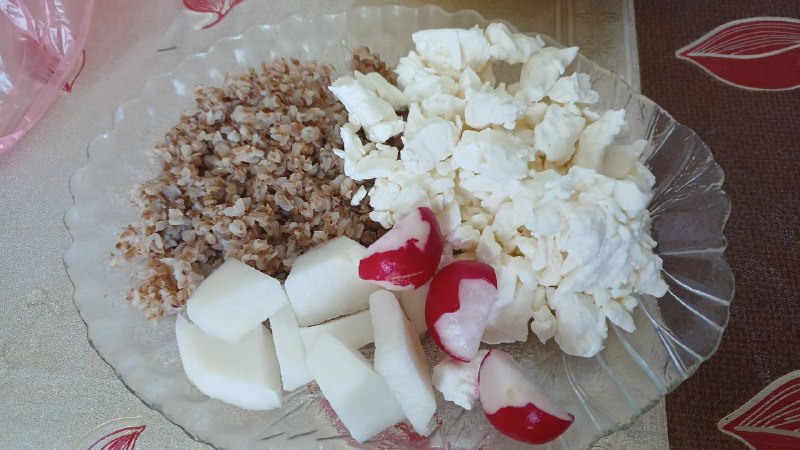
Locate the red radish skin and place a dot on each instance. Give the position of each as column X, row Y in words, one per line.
column 515, row 406
column 528, row 424
column 407, row 256
column 461, row 321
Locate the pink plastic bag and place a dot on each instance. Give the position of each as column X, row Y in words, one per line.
column 41, row 48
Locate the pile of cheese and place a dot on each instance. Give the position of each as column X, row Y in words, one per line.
column 526, row 177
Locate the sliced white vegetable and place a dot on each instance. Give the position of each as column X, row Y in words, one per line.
column 358, row 395
column 234, row 300
column 290, row 350
column 413, row 304
column 400, row 360
column 354, row 330
column 244, row 374
column 324, row 282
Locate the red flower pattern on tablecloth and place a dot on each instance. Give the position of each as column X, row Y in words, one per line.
column 122, row 439
column 771, row 419
column 759, row 53
column 220, row 8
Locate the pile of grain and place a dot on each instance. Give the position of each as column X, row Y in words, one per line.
column 248, row 174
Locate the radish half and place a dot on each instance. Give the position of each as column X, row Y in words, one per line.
column 406, row 257
column 458, row 304
column 515, row 406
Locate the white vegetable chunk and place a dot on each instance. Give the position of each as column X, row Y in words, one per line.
column 324, row 282
column 358, row 395
column 290, row 350
column 355, row 331
column 244, row 373
column 400, row 360
column 233, row 300
column 413, row 304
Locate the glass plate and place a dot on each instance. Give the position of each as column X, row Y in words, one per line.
column 673, row 335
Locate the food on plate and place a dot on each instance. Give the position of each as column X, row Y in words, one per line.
column 289, row 349
column 234, row 300
column 516, row 406
column 458, row 380
column 512, row 206
column 400, row 360
column 413, row 304
column 406, row 257
column 372, row 103
column 324, row 282
column 458, row 303
column 357, row 394
column 248, row 174
column 524, row 174
column 244, row 373
column 354, row 330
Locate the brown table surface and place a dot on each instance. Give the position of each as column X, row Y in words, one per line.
column 755, row 137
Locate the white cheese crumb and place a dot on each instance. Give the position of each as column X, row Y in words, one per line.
column 513, row 48
column 452, row 48
column 575, row 88
column 431, row 143
column 596, row 137
column 498, row 155
column 367, row 110
column 360, row 194
column 542, row 70
column 382, row 88
column 557, row 133
column 366, row 162
column 493, row 108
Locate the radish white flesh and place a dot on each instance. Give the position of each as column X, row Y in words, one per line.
column 406, row 257
column 324, row 282
column 290, row 350
column 413, row 304
column 400, row 360
column 514, row 405
column 244, row 374
column 354, row 330
column 458, row 380
column 234, row 300
column 458, row 303
column 357, row 394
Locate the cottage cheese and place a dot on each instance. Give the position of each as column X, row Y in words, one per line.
column 367, row 109
column 525, row 177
